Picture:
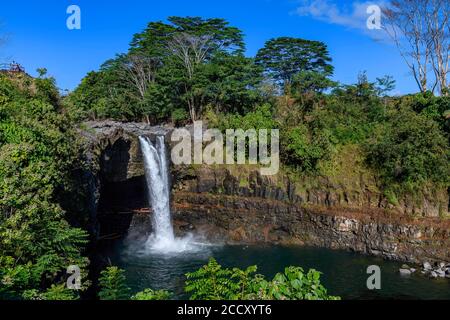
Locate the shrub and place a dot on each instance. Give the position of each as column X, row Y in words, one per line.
column 293, row 284
column 212, row 282
column 54, row 293
column 149, row 294
column 409, row 151
column 179, row 116
column 112, row 284
column 432, row 107
column 260, row 118
column 304, row 149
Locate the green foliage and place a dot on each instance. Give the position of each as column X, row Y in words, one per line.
column 304, row 148
column 153, row 39
column 212, row 282
column 385, row 85
column 434, row 108
column 260, row 118
column 307, row 82
column 149, row 294
column 284, row 58
column 104, row 94
column 179, row 116
column 54, row 293
column 38, row 150
column 224, row 78
column 409, row 151
column 350, row 113
column 348, row 121
column 112, row 283
column 42, row 72
column 293, row 284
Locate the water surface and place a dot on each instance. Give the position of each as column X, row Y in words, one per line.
column 344, row 273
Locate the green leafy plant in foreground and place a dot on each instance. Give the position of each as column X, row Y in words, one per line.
column 212, row 282
column 149, row 294
column 54, row 293
column 112, row 284
column 293, row 284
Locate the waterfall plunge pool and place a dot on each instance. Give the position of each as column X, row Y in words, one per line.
column 344, row 273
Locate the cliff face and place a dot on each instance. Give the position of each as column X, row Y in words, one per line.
column 237, row 204
column 357, row 192
column 254, row 220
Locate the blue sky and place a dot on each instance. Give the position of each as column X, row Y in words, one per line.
column 38, row 36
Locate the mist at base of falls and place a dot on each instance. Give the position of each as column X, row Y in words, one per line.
column 162, row 240
column 187, row 244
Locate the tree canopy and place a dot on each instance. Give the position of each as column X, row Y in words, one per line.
column 284, row 58
column 184, row 64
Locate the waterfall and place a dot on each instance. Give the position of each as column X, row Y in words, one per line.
column 155, row 162
column 162, row 239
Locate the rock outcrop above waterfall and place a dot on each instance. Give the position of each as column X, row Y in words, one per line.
column 114, row 176
column 113, row 147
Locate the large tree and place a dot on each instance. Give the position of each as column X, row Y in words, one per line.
column 190, row 52
column 284, row 58
column 186, row 45
column 155, row 38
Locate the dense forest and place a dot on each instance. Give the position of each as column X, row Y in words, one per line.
column 176, row 72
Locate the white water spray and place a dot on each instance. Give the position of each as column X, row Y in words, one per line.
column 156, row 173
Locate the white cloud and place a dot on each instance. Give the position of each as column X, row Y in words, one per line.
column 351, row 15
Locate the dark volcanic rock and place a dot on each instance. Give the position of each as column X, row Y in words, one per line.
column 252, row 220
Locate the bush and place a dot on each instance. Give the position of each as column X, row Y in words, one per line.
column 149, row 294
column 432, row 107
column 261, row 117
column 54, row 293
column 409, row 151
column 348, row 121
column 293, row 284
column 304, row 149
column 179, row 116
column 112, row 284
column 212, row 282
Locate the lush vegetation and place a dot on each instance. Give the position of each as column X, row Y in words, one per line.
column 213, row 282
column 38, row 152
column 178, row 71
